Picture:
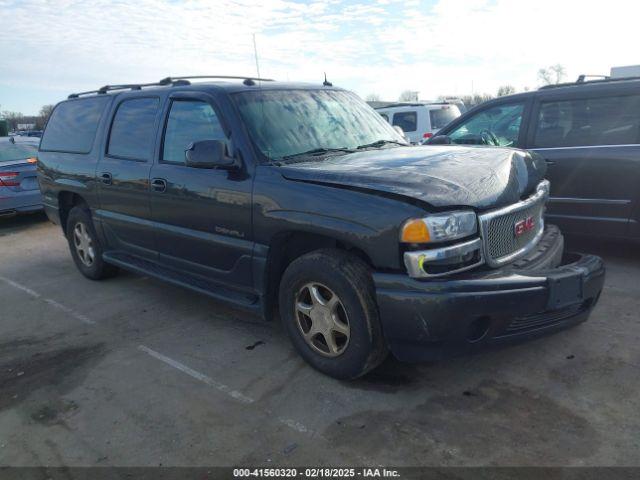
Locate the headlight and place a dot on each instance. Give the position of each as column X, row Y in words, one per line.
column 439, row 227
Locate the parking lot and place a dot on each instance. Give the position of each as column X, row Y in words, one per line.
column 131, row 371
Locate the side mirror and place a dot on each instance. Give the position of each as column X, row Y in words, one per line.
column 440, row 140
column 208, row 154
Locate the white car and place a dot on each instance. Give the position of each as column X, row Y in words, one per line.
column 419, row 121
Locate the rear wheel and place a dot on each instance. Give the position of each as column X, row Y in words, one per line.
column 327, row 304
column 85, row 246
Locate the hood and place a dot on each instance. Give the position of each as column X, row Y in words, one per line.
column 442, row 176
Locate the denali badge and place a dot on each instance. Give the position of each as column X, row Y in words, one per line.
column 523, row 226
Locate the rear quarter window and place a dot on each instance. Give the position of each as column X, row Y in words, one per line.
column 407, row 121
column 441, row 117
column 73, row 125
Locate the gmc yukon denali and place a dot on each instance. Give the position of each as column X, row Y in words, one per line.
column 300, row 200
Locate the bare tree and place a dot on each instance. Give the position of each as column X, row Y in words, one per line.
column 13, row 119
column 475, row 99
column 408, row 96
column 45, row 113
column 506, row 90
column 552, row 75
column 372, row 97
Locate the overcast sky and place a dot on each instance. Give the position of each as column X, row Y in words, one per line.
column 52, row 48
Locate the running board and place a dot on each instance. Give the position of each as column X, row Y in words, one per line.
column 212, row 289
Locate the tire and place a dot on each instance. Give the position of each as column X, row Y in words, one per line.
column 79, row 223
column 349, row 352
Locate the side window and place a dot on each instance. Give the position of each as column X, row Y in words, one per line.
column 132, row 131
column 588, row 122
column 73, row 124
column 189, row 121
column 384, row 115
column 407, row 121
column 499, row 126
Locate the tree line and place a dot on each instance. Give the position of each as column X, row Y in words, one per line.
column 16, row 118
column 553, row 74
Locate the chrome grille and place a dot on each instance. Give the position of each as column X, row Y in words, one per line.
column 501, row 244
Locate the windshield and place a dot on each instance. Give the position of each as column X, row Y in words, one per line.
column 10, row 152
column 284, row 123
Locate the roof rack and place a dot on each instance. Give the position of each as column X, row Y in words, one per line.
column 130, row 86
column 414, row 104
column 582, row 81
column 173, row 81
column 246, row 80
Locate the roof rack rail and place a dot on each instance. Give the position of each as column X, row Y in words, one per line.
column 173, row 81
column 130, row 86
column 583, row 77
column 582, row 81
column 246, row 80
column 404, row 104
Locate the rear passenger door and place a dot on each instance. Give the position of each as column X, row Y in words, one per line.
column 590, row 143
column 123, row 176
column 202, row 217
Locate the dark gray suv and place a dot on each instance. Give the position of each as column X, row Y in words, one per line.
column 589, row 134
column 301, row 198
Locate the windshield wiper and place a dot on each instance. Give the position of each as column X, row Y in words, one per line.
column 380, row 143
column 314, row 152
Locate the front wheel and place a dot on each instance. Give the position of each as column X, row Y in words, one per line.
column 327, row 304
column 85, row 246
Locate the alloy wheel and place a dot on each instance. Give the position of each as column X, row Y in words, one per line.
column 84, row 244
column 322, row 319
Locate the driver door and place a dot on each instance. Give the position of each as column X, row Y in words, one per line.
column 202, row 217
column 501, row 124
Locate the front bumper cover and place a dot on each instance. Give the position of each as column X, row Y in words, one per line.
column 544, row 292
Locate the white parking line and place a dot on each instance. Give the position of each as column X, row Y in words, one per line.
column 21, row 287
column 292, row 424
column 53, row 303
column 197, row 375
column 236, row 395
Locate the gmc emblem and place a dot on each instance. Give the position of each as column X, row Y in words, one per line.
column 523, row 226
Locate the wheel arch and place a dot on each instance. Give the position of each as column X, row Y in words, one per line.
column 66, row 201
column 287, row 246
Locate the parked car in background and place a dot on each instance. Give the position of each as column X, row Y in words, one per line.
column 30, row 133
column 267, row 194
column 419, row 121
column 589, row 134
column 19, row 192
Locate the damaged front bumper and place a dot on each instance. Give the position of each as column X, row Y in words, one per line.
column 543, row 292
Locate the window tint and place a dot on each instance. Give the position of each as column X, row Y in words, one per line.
column 499, row 125
column 442, row 116
column 189, row 121
column 132, row 131
column 73, row 124
column 407, row 121
column 585, row 122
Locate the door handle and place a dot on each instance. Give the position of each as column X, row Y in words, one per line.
column 106, row 178
column 550, row 162
column 158, row 185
